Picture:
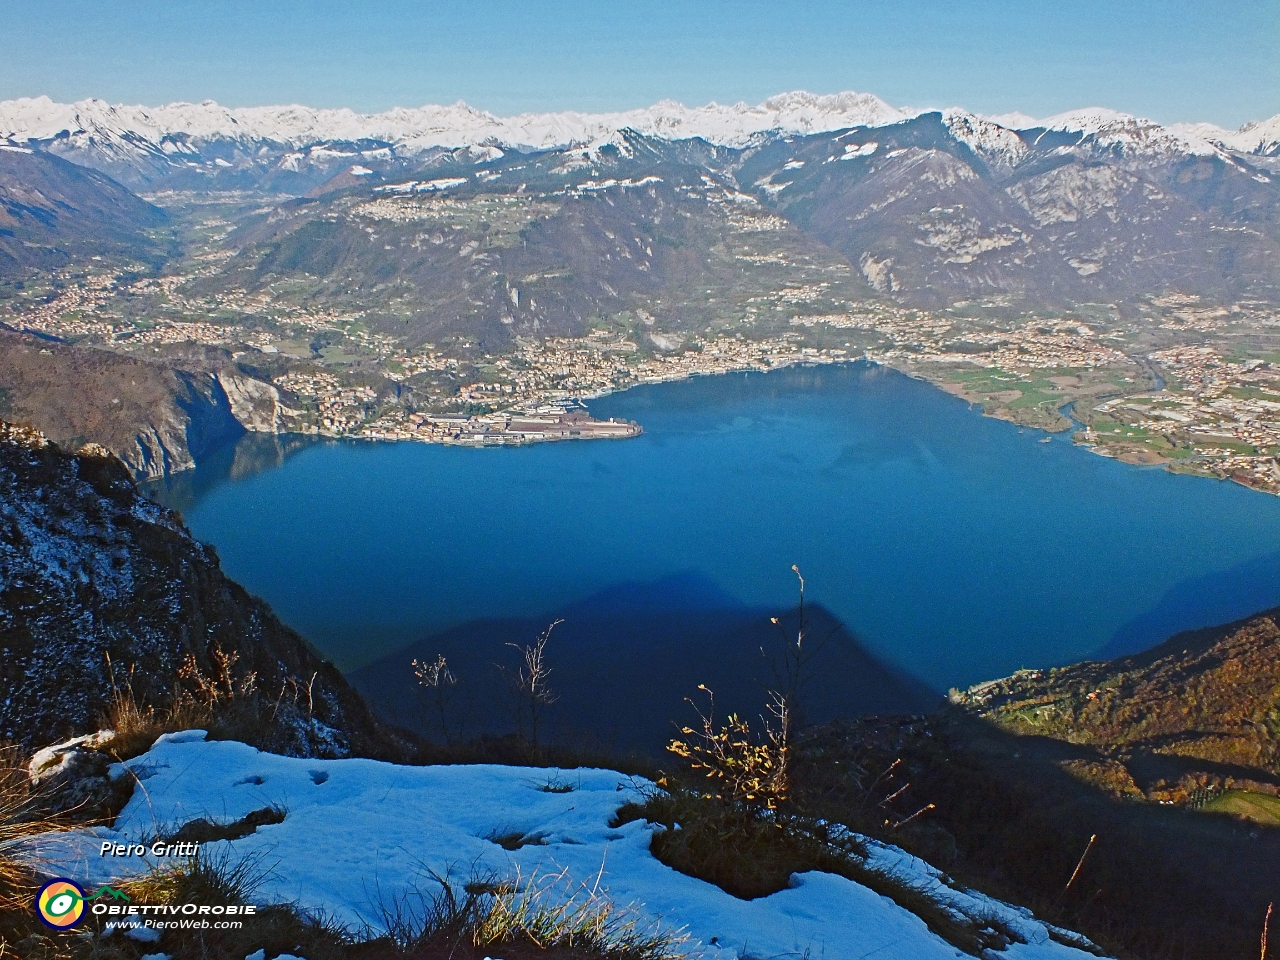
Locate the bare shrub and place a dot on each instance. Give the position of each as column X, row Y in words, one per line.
column 225, row 701
column 219, row 687
column 438, row 680
column 529, row 684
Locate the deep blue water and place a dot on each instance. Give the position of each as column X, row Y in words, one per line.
column 957, row 547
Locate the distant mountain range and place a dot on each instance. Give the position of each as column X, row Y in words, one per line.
column 930, row 205
column 926, row 210
column 138, row 145
column 448, row 225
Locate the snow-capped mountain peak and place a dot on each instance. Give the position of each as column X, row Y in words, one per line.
column 420, row 128
column 1132, row 136
column 1012, row 121
column 1261, row 137
column 138, row 143
column 998, row 146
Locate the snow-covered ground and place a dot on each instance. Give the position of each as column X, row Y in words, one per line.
column 360, row 835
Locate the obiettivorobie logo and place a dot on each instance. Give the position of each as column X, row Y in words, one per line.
column 61, row 902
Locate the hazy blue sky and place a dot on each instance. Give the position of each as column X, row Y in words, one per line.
column 1167, row 59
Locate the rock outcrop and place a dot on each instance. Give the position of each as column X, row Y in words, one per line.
column 157, row 418
column 101, row 589
column 254, row 404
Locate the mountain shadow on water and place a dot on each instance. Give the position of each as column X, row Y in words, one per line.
column 252, row 453
column 624, row 661
column 1203, row 601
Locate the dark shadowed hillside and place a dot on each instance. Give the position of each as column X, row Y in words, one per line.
column 1166, row 759
column 157, row 417
column 96, row 581
column 53, row 212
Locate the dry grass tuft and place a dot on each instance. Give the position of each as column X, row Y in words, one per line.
column 230, row 879
column 225, row 701
column 23, row 814
column 522, row 919
column 742, row 853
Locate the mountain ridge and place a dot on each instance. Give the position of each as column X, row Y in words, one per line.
column 156, row 417
column 41, row 118
column 53, row 211
column 115, row 138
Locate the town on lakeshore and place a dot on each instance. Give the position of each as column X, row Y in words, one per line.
column 1197, row 390
column 1173, row 379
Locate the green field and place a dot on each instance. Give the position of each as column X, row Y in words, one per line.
column 1258, row 807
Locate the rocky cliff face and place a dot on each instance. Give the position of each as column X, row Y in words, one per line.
column 157, row 419
column 254, row 404
column 97, row 581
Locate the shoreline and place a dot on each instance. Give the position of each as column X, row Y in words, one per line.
column 1082, row 435
column 537, row 421
column 564, row 417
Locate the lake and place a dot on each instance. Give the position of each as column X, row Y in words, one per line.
column 956, row 547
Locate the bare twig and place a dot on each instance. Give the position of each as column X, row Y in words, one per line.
column 791, row 671
column 1075, row 873
column 1266, row 924
column 894, row 796
column 530, row 683
column 923, row 810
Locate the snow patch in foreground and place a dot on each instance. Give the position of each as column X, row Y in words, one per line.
column 360, row 834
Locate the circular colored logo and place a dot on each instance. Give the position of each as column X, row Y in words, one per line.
column 60, row 904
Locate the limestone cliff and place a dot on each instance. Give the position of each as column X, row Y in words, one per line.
column 158, row 418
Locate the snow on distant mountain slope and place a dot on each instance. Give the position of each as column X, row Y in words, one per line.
column 170, row 128
column 999, row 147
column 1260, row 137
column 1132, row 136
column 174, row 128
column 295, row 149
column 1012, row 121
